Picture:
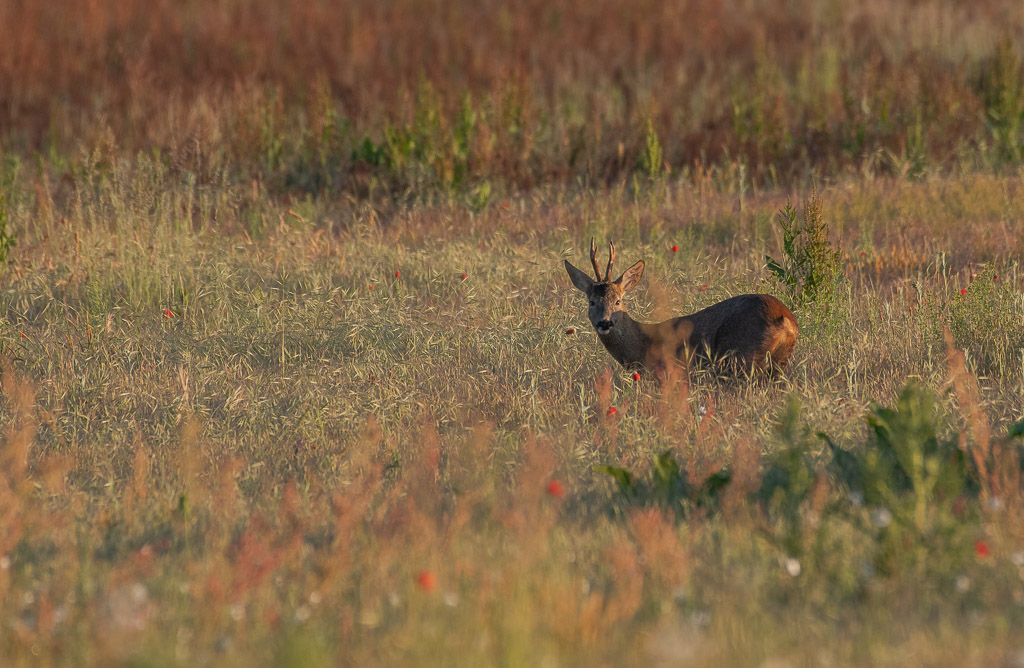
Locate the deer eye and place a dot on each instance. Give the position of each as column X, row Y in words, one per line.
column 618, row 302
column 593, row 303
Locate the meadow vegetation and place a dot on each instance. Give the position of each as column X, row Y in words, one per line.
column 292, row 374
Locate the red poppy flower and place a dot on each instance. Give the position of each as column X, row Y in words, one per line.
column 570, row 331
column 981, row 549
column 464, row 277
column 612, row 410
column 426, row 581
column 371, row 286
column 636, row 376
column 963, row 291
column 398, row 274
column 555, row 489
column 168, row 313
column 675, row 249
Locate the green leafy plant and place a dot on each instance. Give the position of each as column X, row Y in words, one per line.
column 913, row 491
column 667, row 485
column 907, row 468
column 810, row 267
column 982, row 324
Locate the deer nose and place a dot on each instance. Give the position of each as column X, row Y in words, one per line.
column 604, row 325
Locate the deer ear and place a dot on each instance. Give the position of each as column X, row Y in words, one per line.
column 631, row 276
column 579, row 279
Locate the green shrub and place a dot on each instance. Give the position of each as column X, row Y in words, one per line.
column 906, row 467
column 985, row 326
column 809, row 268
column 908, row 487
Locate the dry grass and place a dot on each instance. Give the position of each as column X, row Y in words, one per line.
column 270, row 469
column 284, row 352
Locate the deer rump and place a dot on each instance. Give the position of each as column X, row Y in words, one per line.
column 753, row 332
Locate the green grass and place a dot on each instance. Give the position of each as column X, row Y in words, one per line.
column 221, row 446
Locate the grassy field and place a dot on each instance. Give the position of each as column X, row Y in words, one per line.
column 327, row 443
column 292, row 373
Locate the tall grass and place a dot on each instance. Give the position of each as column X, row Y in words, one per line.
column 290, row 373
column 221, row 448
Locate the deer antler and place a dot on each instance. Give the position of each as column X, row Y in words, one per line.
column 611, row 261
column 593, row 259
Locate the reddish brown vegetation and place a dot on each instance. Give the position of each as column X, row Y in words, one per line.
column 550, row 90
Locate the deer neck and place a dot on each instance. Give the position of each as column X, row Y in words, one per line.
column 627, row 341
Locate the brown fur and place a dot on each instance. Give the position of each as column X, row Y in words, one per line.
column 743, row 333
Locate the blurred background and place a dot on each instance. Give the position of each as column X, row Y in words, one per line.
column 367, row 98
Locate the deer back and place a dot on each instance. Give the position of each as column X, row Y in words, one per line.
column 753, row 330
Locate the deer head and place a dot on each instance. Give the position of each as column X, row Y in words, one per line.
column 605, row 295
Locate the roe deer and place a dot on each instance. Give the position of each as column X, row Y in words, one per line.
column 748, row 332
